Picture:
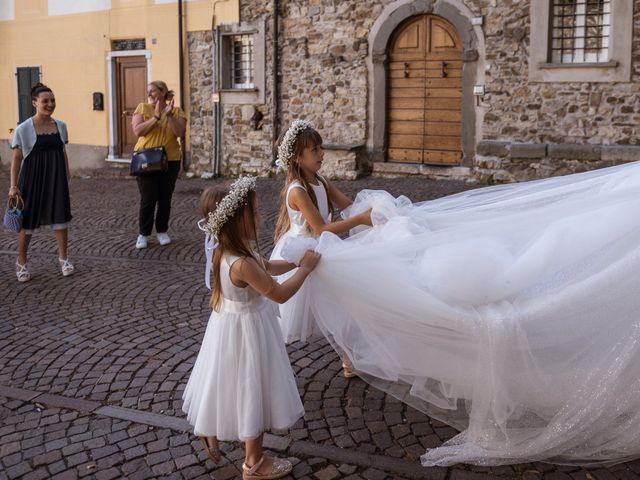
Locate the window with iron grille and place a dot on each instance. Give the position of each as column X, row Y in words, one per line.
column 580, row 31
column 242, row 61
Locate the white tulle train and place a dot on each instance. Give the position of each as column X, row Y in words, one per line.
column 512, row 313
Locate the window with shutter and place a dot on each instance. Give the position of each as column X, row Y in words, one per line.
column 26, row 77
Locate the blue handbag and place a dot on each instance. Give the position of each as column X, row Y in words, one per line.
column 13, row 214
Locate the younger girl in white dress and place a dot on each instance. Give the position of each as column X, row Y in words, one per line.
column 242, row 383
column 306, row 210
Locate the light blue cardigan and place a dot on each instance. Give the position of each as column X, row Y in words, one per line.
column 25, row 136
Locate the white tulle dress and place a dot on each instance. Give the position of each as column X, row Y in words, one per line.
column 242, row 383
column 296, row 319
column 511, row 312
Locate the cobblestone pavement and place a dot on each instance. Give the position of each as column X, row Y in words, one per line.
column 92, row 366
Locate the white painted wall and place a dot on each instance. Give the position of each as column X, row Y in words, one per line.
column 67, row 7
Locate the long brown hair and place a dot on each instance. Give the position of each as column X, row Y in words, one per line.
column 309, row 137
column 233, row 236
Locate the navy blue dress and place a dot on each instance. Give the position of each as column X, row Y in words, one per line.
column 44, row 185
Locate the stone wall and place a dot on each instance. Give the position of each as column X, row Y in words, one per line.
column 502, row 161
column 200, row 55
column 323, row 76
column 245, row 149
column 324, row 73
column 581, row 113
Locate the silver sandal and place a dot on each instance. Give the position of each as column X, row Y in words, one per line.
column 67, row 267
column 22, row 273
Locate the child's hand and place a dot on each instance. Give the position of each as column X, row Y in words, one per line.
column 310, row 260
column 365, row 218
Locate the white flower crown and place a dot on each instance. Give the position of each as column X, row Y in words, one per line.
column 285, row 149
column 229, row 204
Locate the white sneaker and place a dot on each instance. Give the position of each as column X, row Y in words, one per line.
column 141, row 242
column 164, row 239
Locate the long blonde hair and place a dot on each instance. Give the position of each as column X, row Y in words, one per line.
column 309, row 137
column 233, row 236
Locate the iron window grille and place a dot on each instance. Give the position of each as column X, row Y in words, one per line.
column 242, row 61
column 580, row 31
column 129, row 44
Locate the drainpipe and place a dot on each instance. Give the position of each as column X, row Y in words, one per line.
column 217, row 109
column 275, row 92
column 185, row 164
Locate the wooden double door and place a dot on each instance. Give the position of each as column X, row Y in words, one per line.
column 424, row 96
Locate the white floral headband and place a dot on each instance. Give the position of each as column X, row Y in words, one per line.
column 225, row 209
column 285, row 149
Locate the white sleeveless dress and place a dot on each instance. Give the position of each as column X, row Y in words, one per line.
column 296, row 319
column 242, row 383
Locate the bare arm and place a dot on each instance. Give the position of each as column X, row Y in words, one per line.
column 16, row 163
column 299, row 200
column 142, row 127
column 337, row 197
column 177, row 124
column 278, row 267
column 250, row 272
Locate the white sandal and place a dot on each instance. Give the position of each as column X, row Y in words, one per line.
column 67, row 267
column 22, row 273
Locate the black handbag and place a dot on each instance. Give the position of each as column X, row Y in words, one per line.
column 149, row 161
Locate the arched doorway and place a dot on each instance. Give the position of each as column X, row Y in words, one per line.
column 424, row 92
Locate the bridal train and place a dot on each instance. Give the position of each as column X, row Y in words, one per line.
column 510, row 312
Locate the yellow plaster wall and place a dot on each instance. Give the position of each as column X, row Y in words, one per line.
column 71, row 51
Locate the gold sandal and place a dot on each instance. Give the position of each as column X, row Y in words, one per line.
column 213, row 452
column 348, row 371
column 279, row 469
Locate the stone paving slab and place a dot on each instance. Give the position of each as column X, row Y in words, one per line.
column 299, row 449
column 93, row 366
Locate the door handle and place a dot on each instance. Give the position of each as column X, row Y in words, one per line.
column 406, row 69
column 126, row 113
column 444, row 72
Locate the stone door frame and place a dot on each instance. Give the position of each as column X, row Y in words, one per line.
column 472, row 73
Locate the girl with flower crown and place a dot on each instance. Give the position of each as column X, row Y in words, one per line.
column 242, row 383
column 308, row 201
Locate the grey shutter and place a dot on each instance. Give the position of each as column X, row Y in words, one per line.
column 27, row 77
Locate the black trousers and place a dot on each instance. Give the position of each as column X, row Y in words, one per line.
column 157, row 189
